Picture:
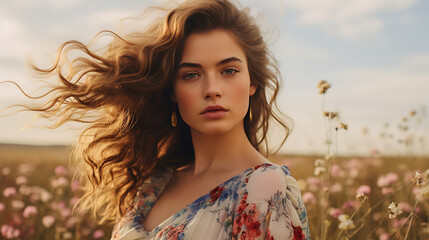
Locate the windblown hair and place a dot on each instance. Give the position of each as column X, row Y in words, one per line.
column 129, row 86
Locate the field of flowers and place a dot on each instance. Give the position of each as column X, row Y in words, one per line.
column 37, row 196
column 372, row 197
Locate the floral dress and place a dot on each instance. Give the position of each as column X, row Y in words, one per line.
column 263, row 203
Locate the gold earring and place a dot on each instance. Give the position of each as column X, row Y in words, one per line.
column 250, row 108
column 174, row 117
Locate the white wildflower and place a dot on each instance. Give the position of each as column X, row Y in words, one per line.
column 361, row 197
column 319, row 171
column 17, row 204
column 319, row 162
column 45, row 196
column 345, row 222
column 48, row 221
column 417, row 179
column 394, row 210
column 59, row 182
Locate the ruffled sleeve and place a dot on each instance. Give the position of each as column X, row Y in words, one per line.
column 271, row 208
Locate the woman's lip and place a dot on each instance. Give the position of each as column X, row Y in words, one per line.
column 213, row 108
column 215, row 114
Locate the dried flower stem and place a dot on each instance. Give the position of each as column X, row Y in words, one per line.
column 322, row 196
column 409, row 218
column 385, row 197
column 378, row 225
column 351, row 217
column 409, row 225
column 358, row 229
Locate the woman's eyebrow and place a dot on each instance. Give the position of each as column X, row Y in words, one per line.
column 227, row 60
column 197, row 65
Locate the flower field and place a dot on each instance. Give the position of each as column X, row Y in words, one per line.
column 367, row 198
column 370, row 197
column 38, row 193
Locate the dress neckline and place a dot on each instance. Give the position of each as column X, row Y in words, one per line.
column 199, row 200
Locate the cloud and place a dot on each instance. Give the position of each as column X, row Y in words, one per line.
column 292, row 48
column 49, row 3
column 364, row 97
column 12, row 31
column 390, row 87
column 346, row 18
column 109, row 16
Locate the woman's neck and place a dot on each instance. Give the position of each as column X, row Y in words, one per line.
column 223, row 152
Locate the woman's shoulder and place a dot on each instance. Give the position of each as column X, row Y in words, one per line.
column 269, row 179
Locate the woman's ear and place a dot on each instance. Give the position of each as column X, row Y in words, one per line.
column 252, row 89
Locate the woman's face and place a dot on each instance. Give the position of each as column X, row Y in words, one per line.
column 212, row 85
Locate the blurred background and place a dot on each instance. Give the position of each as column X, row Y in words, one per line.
column 374, row 54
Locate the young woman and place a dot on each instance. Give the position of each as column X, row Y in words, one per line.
column 182, row 110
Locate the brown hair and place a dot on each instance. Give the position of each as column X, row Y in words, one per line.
column 128, row 88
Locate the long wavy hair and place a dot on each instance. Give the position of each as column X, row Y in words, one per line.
column 124, row 94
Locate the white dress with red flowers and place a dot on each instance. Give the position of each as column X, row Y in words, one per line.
column 263, row 203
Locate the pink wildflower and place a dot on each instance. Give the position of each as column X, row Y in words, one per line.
column 73, row 201
column 392, row 178
column 98, row 234
column 386, row 190
column 350, row 205
column 382, row 182
column 354, row 163
column 1, row 207
column 26, row 168
column 75, row 185
column 384, row 236
column 336, row 171
column 405, row 207
column 308, row 197
column 389, row 179
column 16, row 220
column 58, row 205
column 66, row 212
column 9, row 232
column 20, row 180
column 365, row 189
column 335, row 212
column 5, row 171
column 59, row 182
column 9, row 192
column 29, row 211
column 25, row 190
column 336, row 187
column 71, row 222
column 60, row 170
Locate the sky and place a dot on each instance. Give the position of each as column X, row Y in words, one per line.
column 374, row 53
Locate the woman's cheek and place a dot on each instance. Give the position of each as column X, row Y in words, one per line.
column 185, row 101
column 241, row 93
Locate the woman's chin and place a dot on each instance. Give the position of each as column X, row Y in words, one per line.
column 214, row 129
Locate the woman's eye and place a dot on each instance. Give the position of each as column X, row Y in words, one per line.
column 190, row 76
column 230, row 71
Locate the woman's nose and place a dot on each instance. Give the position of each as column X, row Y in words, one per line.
column 212, row 87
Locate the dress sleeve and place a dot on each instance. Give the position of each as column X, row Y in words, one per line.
column 281, row 215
